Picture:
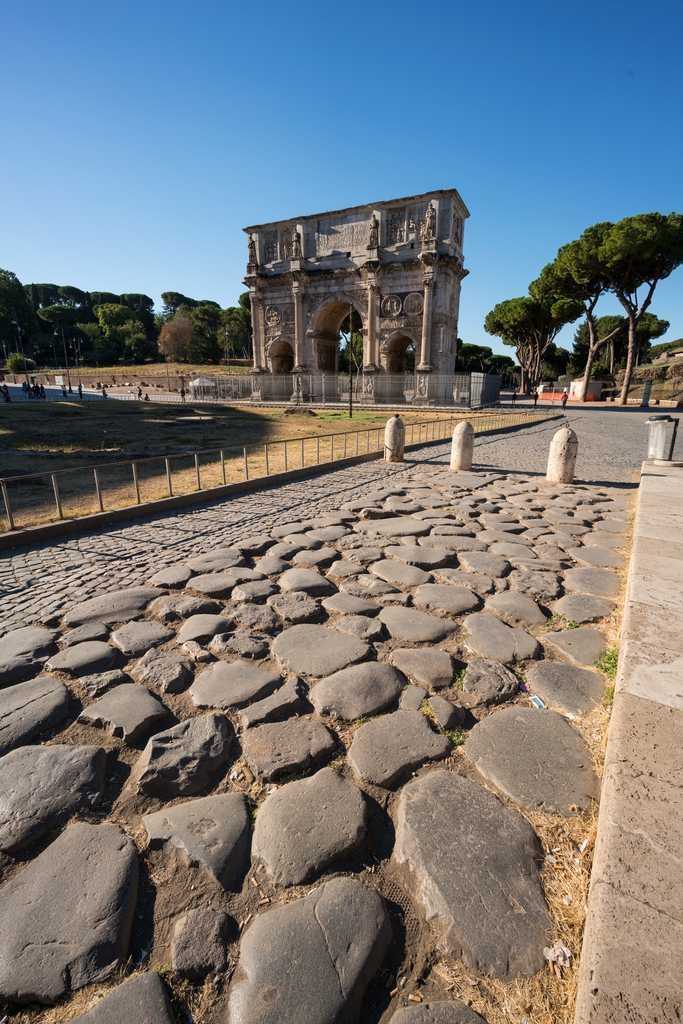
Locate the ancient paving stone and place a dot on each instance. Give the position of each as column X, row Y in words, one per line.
column 177, row 608
column 322, row 558
column 311, row 960
column 612, row 526
column 446, row 598
column 357, row 691
column 281, row 704
column 101, row 681
column 401, row 526
column 307, row 825
column 485, row 563
column 583, row 646
column 597, row 556
column 516, row 609
column 81, row 634
column 82, row 659
column 173, row 576
column 534, row 757
column 360, row 626
column 255, row 592
column 370, row 586
column 284, row 747
column 602, row 540
column 513, row 552
column 164, row 671
column 137, row 637
column 329, row 533
column 214, row 584
column 424, row 665
column 272, row 566
column 458, row 543
column 584, row 607
column 491, row 537
column 196, row 652
column 542, row 586
column 423, row 557
column 399, row 574
column 198, row 945
column 23, row 651
column 481, row 585
column 212, row 833
column 600, row 582
column 453, row 1012
column 216, row 561
column 447, row 715
column 43, row 786
column 295, row 608
column 302, row 542
column 385, row 748
column 488, row 682
column 258, row 617
column 567, row 687
column 28, row 709
column 475, row 872
column 316, row 650
column 331, row 519
column 363, row 555
column 201, row 627
column 415, row 627
column 282, row 550
column 114, row 606
column 343, row 569
column 182, row 760
column 67, row 915
column 411, row 698
column 306, row 581
column 245, row 645
column 128, row 711
column 491, row 638
column 232, row 684
column 346, row 604
column 254, row 545
column 140, row 998
column 289, row 528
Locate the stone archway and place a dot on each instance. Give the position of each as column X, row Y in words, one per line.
column 327, row 333
column 281, row 357
column 399, row 354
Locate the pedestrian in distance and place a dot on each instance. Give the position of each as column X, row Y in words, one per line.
column 63, row 390
column 104, row 392
column 182, row 394
column 80, row 390
column 535, row 397
column 564, row 399
column 41, row 392
column 139, row 393
column 514, row 395
column 6, row 397
column 146, row 396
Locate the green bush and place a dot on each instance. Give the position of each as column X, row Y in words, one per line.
column 15, row 363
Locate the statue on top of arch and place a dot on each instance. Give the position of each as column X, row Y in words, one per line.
column 296, row 245
column 429, row 223
column 373, row 243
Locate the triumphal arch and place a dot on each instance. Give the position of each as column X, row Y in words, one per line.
column 394, row 266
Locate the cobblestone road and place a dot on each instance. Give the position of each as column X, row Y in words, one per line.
column 37, row 583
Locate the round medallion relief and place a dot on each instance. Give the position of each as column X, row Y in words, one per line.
column 391, row 306
column 272, row 315
column 413, row 304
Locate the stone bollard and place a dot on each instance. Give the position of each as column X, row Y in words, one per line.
column 564, row 448
column 462, row 448
column 394, row 439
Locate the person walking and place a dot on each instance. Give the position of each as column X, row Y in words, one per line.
column 104, row 392
column 63, row 390
column 535, row 397
column 514, row 395
column 6, row 397
column 182, row 394
column 41, row 392
column 80, row 390
column 564, row 399
column 139, row 393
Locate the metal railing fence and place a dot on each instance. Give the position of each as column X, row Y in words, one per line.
column 38, row 498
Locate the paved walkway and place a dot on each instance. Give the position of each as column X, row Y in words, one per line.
column 36, row 583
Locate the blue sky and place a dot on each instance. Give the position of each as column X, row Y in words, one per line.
column 139, row 138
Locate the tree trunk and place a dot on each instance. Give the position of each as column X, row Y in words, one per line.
column 630, row 359
column 592, row 352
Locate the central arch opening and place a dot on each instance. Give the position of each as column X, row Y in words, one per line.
column 331, row 353
column 400, row 355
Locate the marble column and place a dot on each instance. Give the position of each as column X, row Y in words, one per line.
column 370, row 355
column 299, row 326
column 257, row 332
column 425, row 348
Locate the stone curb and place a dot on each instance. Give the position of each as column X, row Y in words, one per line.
column 632, row 957
column 85, row 524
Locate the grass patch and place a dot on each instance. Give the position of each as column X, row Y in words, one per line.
column 608, row 695
column 459, row 678
column 608, row 662
column 456, row 736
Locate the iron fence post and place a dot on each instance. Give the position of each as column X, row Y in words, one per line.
column 135, row 481
column 246, row 464
column 168, row 478
column 98, row 489
column 196, row 469
column 8, row 507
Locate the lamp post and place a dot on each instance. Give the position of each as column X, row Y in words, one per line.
column 66, row 358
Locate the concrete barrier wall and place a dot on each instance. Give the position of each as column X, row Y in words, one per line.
column 632, row 958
